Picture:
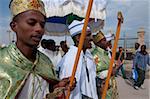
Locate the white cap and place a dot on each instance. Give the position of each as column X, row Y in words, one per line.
column 109, row 37
column 76, row 27
column 103, row 74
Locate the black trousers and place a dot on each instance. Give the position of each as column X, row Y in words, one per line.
column 141, row 77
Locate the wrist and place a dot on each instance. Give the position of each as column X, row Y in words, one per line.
column 56, row 86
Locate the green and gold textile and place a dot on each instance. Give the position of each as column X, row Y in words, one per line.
column 102, row 61
column 15, row 69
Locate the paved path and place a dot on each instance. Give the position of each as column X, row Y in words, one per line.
column 126, row 91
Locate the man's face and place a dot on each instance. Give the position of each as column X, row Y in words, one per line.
column 88, row 39
column 51, row 47
column 64, row 47
column 103, row 43
column 109, row 44
column 29, row 28
column 136, row 46
column 120, row 49
column 143, row 48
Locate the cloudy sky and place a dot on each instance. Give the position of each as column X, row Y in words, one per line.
column 136, row 15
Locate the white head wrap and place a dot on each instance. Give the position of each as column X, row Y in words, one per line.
column 76, row 27
column 109, row 37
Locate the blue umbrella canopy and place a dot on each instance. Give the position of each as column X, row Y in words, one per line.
column 58, row 26
column 61, row 13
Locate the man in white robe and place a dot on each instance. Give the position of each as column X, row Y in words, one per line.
column 50, row 51
column 86, row 70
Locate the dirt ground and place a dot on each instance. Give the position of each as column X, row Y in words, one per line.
column 125, row 86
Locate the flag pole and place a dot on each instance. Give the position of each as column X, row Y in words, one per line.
column 120, row 20
column 82, row 37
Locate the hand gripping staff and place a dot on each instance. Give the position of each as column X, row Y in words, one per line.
column 120, row 20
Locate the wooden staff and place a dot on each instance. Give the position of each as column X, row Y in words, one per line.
column 82, row 37
column 120, row 20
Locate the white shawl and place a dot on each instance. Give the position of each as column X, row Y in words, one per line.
column 89, row 87
column 82, row 86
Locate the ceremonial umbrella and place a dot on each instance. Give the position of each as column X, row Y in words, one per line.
column 77, row 7
column 58, row 26
column 60, row 12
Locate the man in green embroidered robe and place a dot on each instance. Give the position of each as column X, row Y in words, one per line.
column 102, row 61
column 25, row 73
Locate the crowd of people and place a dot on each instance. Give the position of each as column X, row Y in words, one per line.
column 35, row 68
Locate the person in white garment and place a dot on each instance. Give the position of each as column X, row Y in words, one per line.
column 64, row 47
column 109, row 37
column 50, row 50
column 86, row 70
column 42, row 45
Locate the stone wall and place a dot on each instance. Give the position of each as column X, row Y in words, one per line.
column 141, row 33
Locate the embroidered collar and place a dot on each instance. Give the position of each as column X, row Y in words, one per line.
column 19, row 59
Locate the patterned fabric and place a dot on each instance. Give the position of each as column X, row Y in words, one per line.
column 102, row 61
column 115, row 94
column 98, row 37
column 15, row 69
column 19, row 6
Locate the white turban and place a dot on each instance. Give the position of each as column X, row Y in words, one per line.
column 109, row 37
column 76, row 27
